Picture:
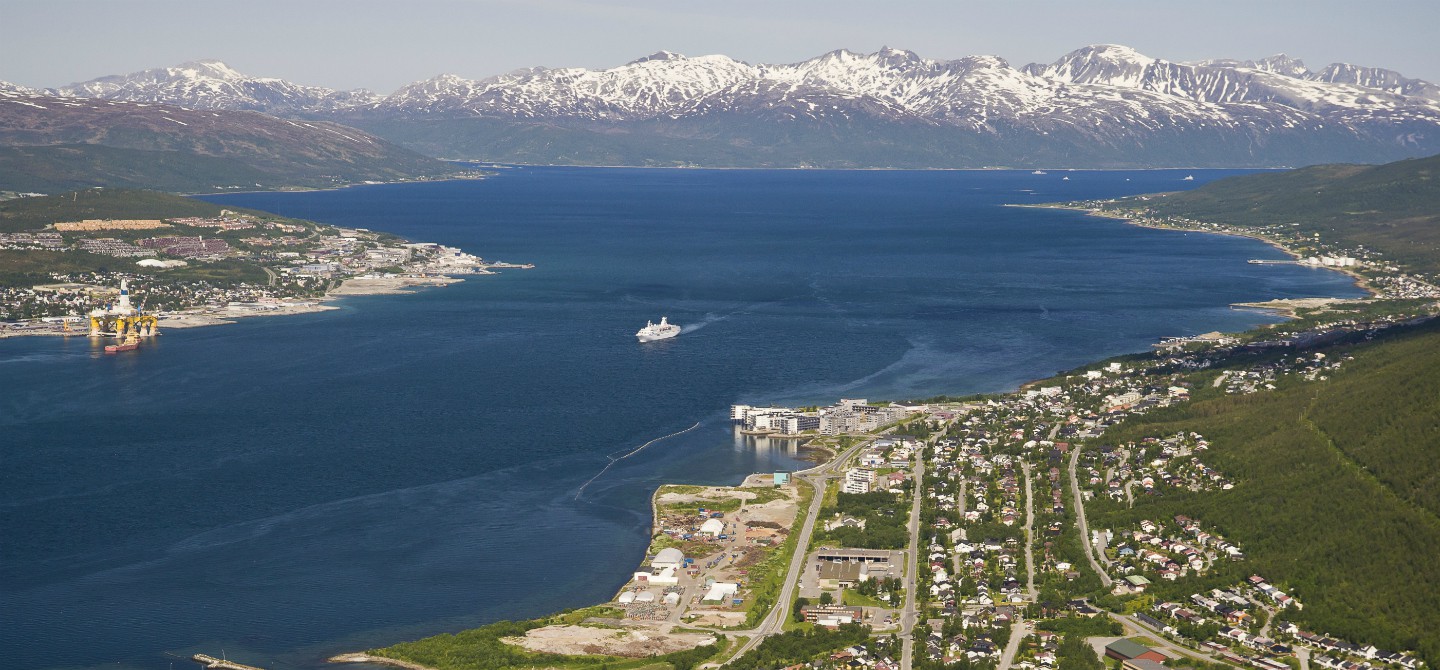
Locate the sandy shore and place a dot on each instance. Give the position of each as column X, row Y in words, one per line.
column 378, row 660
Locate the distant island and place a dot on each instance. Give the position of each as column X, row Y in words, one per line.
column 64, row 259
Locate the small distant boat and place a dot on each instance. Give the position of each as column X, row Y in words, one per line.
column 1064, row 179
column 657, row 331
column 1189, row 177
column 1039, row 172
column 131, row 343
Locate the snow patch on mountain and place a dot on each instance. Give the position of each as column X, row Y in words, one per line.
column 1104, row 95
column 211, row 84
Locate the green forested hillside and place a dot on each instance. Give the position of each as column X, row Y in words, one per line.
column 1335, row 495
column 35, row 213
column 1393, row 208
column 73, row 166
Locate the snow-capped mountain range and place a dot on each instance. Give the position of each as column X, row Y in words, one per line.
column 1098, row 105
column 211, row 84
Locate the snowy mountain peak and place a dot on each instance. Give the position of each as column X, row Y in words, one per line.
column 7, row 87
column 207, row 67
column 1116, row 53
column 1377, row 78
column 897, row 57
column 1099, row 63
column 1281, row 64
column 658, row 55
column 1111, row 90
column 212, row 84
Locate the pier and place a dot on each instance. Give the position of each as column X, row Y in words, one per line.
column 509, row 266
column 212, row 662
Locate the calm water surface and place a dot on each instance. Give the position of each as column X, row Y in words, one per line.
column 287, row 488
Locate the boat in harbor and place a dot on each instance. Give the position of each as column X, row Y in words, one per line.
column 130, row 343
column 1039, row 172
column 658, row 331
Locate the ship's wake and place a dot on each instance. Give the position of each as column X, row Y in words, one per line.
column 709, row 319
column 627, row 454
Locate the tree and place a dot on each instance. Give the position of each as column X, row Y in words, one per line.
column 826, row 598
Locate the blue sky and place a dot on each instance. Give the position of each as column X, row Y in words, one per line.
column 383, row 45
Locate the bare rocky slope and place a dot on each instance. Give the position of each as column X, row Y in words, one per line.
column 50, row 144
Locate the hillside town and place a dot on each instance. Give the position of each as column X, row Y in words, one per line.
column 228, row 265
column 999, row 567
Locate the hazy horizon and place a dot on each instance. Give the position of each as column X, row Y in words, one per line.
column 382, row 46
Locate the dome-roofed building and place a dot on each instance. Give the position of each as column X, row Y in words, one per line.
column 669, row 557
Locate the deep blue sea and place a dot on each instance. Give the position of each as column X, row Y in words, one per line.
column 286, row 488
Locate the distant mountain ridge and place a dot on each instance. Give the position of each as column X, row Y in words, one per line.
column 211, row 84
column 1099, row 106
column 52, row 143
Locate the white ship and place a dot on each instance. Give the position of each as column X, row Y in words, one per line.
column 658, row 331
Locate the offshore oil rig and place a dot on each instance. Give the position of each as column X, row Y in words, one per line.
column 122, row 319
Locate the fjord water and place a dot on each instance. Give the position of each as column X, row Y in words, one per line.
column 285, row 488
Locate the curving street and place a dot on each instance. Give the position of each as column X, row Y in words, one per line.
column 1080, row 519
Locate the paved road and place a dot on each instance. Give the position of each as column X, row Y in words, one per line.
column 818, row 477
column 1169, row 648
column 1080, row 519
column 1017, row 633
column 909, row 615
column 960, row 503
column 1029, row 534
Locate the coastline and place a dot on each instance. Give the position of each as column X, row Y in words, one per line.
column 990, row 168
column 681, row 494
column 1284, row 307
column 1362, row 282
column 361, row 657
column 220, row 316
column 337, row 187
